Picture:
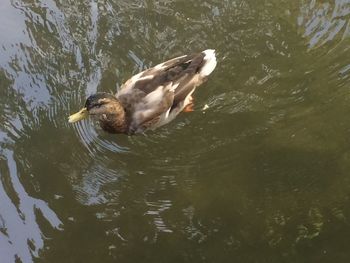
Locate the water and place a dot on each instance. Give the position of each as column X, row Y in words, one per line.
column 260, row 176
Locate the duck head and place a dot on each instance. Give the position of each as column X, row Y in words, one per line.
column 100, row 105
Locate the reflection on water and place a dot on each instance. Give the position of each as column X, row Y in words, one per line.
column 21, row 237
column 260, row 175
column 324, row 21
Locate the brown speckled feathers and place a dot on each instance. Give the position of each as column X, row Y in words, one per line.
column 153, row 97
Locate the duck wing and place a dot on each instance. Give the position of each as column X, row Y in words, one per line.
column 151, row 95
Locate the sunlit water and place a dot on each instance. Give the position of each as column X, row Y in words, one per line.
column 259, row 176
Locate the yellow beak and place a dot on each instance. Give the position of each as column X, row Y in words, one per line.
column 82, row 114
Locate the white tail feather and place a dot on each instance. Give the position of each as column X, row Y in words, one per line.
column 210, row 62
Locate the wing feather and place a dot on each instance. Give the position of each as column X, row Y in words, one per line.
column 151, row 95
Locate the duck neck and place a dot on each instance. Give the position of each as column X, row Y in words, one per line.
column 115, row 120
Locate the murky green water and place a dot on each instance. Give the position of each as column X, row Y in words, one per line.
column 260, row 176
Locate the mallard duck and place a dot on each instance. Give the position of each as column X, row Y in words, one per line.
column 151, row 98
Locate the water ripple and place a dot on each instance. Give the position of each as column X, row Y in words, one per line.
column 323, row 22
column 94, row 142
column 18, row 213
column 155, row 209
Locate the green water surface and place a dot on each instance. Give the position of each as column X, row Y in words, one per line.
column 259, row 176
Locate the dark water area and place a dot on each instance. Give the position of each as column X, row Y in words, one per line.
column 257, row 173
